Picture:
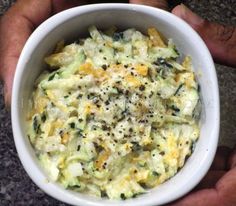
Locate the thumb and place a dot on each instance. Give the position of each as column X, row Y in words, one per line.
column 220, row 39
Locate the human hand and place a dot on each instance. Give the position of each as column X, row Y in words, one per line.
column 220, row 39
column 19, row 22
column 218, row 186
column 15, row 28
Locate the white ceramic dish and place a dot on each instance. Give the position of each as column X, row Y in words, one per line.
column 73, row 23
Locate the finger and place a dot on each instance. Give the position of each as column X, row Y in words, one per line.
column 15, row 28
column 210, row 180
column 226, row 187
column 221, row 40
column 222, row 194
column 206, row 197
column 162, row 4
column 218, row 168
column 221, row 158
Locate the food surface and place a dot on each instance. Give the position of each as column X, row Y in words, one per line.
column 115, row 114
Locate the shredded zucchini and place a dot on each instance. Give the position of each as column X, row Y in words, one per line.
column 115, row 114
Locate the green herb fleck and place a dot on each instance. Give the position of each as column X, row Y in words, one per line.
column 176, row 109
column 36, row 125
column 43, row 117
column 72, row 125
column 122, row 196
column 177, row 91
column 154, row 173
column 52, row 77
column 118, row 36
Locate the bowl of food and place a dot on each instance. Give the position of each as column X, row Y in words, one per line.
column 107, row 111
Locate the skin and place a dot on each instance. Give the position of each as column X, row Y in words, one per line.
column 20, row 20
column 220, row 39
column 219, row 185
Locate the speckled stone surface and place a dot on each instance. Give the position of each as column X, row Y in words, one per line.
column 16, row 188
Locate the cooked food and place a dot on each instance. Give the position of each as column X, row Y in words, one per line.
column 115, row 114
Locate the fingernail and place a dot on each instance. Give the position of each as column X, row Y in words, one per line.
column 6, row 98
column 190, row 16
column 183, row 9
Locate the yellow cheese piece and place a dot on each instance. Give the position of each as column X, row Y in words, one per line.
column 141, row 176
column 173, row 152
column 190, row 80
column 155, row 37
column 54, row 125
column 88, row 69
column 133, row 81
column 141, row 70
column 55, row 60
column 103, row 156
column 187, row 63
column 65, row 138
column 89, row 108
column 40, row 103
column 128, row 147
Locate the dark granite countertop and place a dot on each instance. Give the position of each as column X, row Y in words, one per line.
column 16, row 188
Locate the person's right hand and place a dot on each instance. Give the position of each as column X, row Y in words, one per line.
column 219, row 185
column 15, row 28
column 220, row 39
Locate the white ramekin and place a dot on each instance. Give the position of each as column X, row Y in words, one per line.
column 71, row 25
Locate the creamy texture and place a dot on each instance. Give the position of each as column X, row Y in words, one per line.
column 117, row 113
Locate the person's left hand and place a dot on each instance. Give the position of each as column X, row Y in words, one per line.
column 218, row 186
column 19, row 22
column 15, row 28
